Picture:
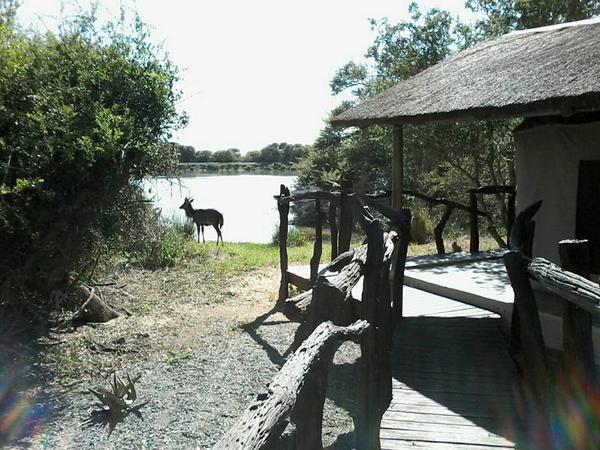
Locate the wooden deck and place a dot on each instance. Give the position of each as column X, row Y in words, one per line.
column 454, row 384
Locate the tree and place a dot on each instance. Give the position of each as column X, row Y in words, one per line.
column 226, row 156
column 185, row 153
column 85, row 112
column 251, row 156
column 502, row 16
column 440, row 159
column 203, row 156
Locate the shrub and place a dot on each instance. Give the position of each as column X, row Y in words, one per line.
column 85, row 112
column 296, row 237
column 421, row 227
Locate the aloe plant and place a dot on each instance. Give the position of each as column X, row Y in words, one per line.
column 120, row 398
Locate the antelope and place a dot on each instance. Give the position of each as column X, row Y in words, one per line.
column 203, row 217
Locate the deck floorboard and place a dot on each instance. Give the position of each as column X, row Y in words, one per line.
column 454, row 384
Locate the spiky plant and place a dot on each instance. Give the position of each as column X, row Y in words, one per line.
column 120, row 398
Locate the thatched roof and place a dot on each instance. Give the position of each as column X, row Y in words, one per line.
column 543, row 71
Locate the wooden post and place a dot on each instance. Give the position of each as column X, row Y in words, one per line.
column 318, row 247
column 438, row 231
column 474, row 245
column 397, row 166
column 334, row 230
column 510, row 216
column 283, row 205
column 308, row 415
column 376, row 388
column 527, row 343
column 577, row 323
column 346, row 219
column 523, row 230
column 398, row 265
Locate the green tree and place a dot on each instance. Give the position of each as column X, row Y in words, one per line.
column 440, row 159
column 226, row 156
column 203, row 156
column 251, row 156
column 502, row 16
column 83, row 114
column 185, row 153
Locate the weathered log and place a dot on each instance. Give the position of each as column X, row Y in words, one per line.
column 494, row 189
column 527, row 343
column 510, row 216
column 263, row 421
column 573, row 288
column 576, row 323
column 426, row 198
column 438, row 231
column 335, row 274
column 523, row 230
column 334, row 230
column 284, row 210
column 331, row 298
column 376, row 389
column 92, row 310
column 318, row 246
column 310, row 195
column 474, row 233
column 400, row 220
column 346, row 220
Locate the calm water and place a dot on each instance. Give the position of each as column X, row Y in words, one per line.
column 246, row 202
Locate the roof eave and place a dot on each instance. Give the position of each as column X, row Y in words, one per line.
column 566, row 106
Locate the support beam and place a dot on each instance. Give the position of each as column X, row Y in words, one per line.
column 397, row 166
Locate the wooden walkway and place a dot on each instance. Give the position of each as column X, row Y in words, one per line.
column 454, row 383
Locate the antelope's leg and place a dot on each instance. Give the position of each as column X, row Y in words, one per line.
column 202, row 226
column 219, row 235
column 198, row 231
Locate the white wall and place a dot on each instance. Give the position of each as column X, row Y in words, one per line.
column 547, row 165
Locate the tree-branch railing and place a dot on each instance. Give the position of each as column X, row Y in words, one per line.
column 510, row 214
column 298, row 391
column 341, row 222
column 581, row 303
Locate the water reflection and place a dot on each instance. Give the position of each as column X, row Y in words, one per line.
column 246, row 202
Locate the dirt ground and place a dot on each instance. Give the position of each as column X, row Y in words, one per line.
column 204, row 348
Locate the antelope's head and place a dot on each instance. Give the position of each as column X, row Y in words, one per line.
column 187, row 203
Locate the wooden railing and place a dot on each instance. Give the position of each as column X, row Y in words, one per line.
column 341, row 222
column 330, row 314
column 581, row 303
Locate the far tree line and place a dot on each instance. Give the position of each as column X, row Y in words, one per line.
column 273, row 153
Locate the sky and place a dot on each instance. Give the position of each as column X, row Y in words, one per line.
column 253, row 72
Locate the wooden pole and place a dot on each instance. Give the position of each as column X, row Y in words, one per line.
column 376, row 377
column 438, row 231
column 474, row 245
column 510, row 216
column 399, row 257
column 284, row 209
column 397, row 166
column 334, row 230
column 577, row 323
column 346, row 218
column 527, row 343
column 318, row 247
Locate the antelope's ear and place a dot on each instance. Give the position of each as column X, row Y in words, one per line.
column 191, row 200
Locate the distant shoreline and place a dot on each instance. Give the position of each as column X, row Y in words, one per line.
column 234, row 167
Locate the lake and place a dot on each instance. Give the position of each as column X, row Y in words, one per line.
column 246, row 202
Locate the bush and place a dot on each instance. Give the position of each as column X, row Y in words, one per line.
column 421, row 227
column 296, row 237
column 159, row 249
column 84, row 114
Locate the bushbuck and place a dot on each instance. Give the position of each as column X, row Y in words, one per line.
column 203, row 217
